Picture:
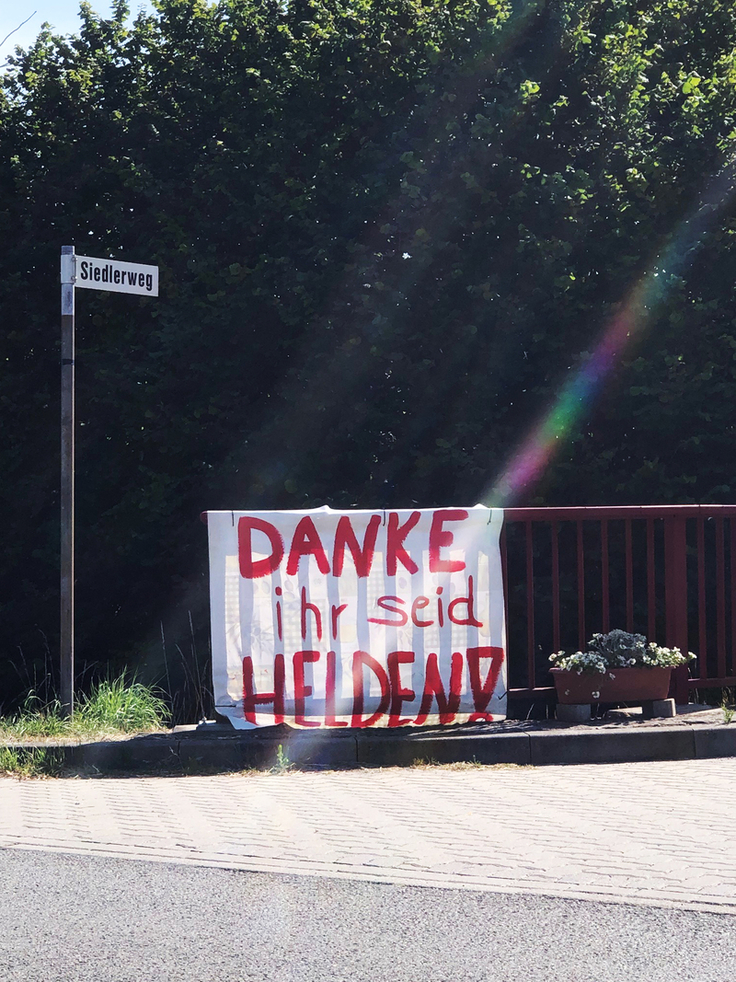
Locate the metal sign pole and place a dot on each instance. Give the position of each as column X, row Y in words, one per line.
column 67, row 480
column 88, row 273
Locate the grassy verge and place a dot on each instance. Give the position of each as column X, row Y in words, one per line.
column 111, row 708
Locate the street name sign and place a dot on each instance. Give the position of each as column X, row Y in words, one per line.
column 89, row 273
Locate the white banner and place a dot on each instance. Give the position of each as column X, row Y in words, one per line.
column 362, row 618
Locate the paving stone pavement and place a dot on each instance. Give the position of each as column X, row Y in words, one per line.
column 661, row 833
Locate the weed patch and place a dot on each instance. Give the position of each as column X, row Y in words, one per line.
column 727, row 706
column 31, row 761
column 283, row 762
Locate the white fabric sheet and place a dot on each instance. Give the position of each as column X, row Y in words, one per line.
column 363, row 618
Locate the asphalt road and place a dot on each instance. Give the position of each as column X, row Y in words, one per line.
column 89, row 919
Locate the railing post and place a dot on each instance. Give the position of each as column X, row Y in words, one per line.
column 675, row 599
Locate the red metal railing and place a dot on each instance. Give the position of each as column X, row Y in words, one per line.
column 667, row 571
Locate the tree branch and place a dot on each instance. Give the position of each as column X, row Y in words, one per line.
column 17, row 28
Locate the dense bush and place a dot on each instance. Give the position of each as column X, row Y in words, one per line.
column 389, row 232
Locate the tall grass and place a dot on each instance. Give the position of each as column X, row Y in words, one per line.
column 182, row 671
column 188, row 676
column 123, row 706
column 112, row 706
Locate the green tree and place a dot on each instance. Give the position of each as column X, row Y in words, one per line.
column 388, row 232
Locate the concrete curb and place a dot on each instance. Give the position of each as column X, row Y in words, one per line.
column 219, row 748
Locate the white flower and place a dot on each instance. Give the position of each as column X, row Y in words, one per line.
column 595, row 695
column 618, row 649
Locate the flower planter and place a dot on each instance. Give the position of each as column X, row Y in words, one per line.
column 633, row 684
